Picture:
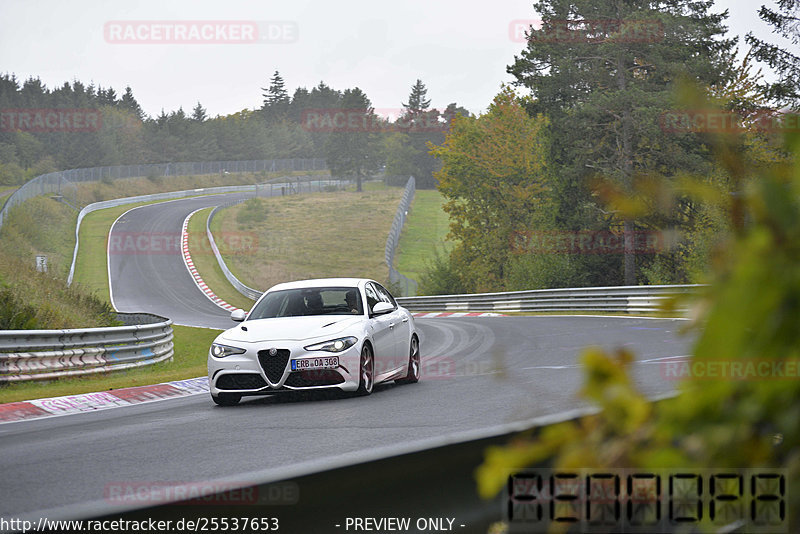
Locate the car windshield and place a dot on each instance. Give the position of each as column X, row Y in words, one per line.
column 309, row 301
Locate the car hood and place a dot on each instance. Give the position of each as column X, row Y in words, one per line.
column 290, row 328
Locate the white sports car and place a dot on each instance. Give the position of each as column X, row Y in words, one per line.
column 344, row 333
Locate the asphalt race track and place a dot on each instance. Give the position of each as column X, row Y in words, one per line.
column 477, row 373
column 146, row 277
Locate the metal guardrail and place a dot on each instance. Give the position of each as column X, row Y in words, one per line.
column 248, row 292
column 433, row 478
column 28, row 355
column 399, row 281
column 61, row 181
column 298, row 186
column 627, row 299
column 144, row 198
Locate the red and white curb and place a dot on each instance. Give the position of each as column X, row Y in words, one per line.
column 421, row 315
column 187, row 260
column 101, row 400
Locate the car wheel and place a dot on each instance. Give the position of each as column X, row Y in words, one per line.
column 366, row 374
column 413, row 363
column 226, row 399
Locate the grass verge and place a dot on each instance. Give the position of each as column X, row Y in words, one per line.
column 189, row 361
column 91, row 267
column 424, row 231
column 206, row 263
column 88, row 192
column 316, row 235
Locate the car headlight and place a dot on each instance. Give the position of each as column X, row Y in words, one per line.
column 220, row 351
column 334, row 345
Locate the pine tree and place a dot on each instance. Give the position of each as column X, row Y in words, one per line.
column 276, row 93
column 354, row 152
column 603, row 73
column 129, row 103
column 417, row 103
column 107, row 97
column 276, row 99
column 786, row 22
column 199, row 113
column 422, row 126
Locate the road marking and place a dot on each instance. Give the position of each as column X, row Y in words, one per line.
column 101, row 400
column 187, row 260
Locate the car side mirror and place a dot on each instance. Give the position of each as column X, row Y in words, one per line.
column 238, row 315
column 381, row 308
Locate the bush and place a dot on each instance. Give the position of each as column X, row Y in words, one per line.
column 748, row 317
column 14, row 314
column 252, row 211
column 440, row 277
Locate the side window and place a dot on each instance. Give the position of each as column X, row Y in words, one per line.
column 372, row 296
column 385, row 295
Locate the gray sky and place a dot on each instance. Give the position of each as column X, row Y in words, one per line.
column 459, row 49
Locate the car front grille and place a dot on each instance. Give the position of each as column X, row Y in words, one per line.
column 241, row 381
column 273, row 365
column 322, row 377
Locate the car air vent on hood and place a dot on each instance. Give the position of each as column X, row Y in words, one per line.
column 327, row 325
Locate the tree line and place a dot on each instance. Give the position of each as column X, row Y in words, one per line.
column 280, row 128
column 579, row 173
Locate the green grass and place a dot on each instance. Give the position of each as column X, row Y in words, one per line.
column 206, row 263
column 189, row 361
column 371, row 185
column 42, row 300
column 315, row 235
column 424, row 231
column 40, row 226
column 5, row 191
column 91, row 267
column 88, row 192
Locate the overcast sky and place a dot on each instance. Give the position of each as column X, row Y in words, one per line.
column 460, row 49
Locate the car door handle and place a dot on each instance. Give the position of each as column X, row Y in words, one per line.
column 391, row 325
column 405, row 319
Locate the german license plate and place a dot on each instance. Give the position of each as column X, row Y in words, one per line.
column 306, row 364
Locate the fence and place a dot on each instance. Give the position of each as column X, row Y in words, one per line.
column 61, row 181
column 398, row 281
column 626, row 299
column 28, row 355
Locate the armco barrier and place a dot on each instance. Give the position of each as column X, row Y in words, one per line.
column 248, row 292
column 145, row 198
column 408, row 286
column 627, row 299
column 27, row 355
column 391, row 243
column 257, row 190
column 431, row 479
column 58, row 182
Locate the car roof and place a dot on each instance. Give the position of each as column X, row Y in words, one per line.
column 321, row 282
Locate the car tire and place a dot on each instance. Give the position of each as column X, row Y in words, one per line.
column 226, row 399
column 413, row 364
column 366, row 371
